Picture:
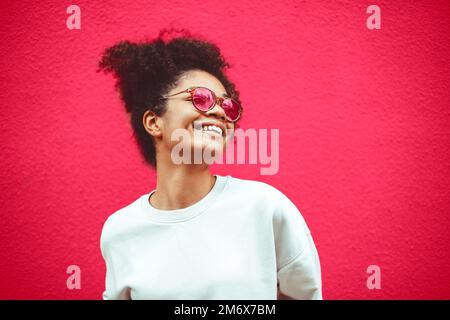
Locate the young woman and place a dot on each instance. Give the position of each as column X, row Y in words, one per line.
column 197, row 235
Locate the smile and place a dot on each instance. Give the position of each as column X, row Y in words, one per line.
column 212, row 129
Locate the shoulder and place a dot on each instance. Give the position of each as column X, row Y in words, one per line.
column 283, row 210
column 119, row 221
column 255, row 188
column 261, row 191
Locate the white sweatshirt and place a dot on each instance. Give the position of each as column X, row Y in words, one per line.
column 244, row 240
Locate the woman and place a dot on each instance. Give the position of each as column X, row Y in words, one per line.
column 197, row 235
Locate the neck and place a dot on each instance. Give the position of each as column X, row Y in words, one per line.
column 180, row 186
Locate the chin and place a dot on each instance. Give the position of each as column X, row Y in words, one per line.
column 211, row 149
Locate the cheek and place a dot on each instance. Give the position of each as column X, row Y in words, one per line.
column 176, row 129
column 181, row 116
column 230, row 129
column 178, row 116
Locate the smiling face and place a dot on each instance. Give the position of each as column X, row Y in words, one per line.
column 208, row 129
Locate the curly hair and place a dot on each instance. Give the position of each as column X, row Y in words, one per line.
column 147, row 70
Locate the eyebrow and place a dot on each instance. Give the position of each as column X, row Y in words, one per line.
column 225, row 95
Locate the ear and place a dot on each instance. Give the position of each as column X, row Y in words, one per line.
column 152, row 123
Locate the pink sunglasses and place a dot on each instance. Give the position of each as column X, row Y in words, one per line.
column 205, row 99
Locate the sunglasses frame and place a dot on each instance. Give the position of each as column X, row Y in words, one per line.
column 217, row 100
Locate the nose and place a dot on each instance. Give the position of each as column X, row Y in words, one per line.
column 217, row 112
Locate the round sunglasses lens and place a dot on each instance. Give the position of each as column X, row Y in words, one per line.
column 203, row 99
column 231, row 108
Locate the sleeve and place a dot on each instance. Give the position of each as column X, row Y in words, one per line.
column 298, row 265
column 113, row 290
column 108, row 292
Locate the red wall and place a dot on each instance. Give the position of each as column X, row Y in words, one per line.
column 364, row 134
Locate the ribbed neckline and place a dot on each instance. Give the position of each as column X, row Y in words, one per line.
column 183, row 214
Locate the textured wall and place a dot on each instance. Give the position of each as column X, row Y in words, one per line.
column 364, row 134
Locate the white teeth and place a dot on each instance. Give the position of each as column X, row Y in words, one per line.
column 213, row 128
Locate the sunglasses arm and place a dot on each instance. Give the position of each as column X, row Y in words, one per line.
column 174, row 94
